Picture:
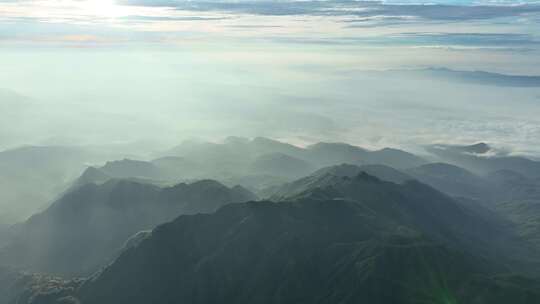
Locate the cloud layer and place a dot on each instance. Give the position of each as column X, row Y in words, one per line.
column 359, row 71
column 362, row 9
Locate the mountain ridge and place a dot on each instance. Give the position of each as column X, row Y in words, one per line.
column 294, row 252
column 83, row 229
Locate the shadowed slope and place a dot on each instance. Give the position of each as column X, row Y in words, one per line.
column 82, row 230
column 308, row 251
column 467, row 226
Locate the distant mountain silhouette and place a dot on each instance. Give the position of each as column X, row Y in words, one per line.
column 32, row 176
column 92, row 175
column 327, row 154
column 321, row 154
column 162, row 171
column 175, row 168
column 267, row 145
column 483, row 78
column 131, row 168
column 82, row 230
column 255, row 163
column 468, row 77
column 257, row 146
column 481, row 164
column 479, row 148
column 281, row 165
column 450, row 179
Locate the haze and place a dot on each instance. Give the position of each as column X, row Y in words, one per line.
column 96, row 72
column 269, row 151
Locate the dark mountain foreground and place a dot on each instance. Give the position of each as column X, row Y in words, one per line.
column 466, row 226
column 307, row 251
column 364, row 233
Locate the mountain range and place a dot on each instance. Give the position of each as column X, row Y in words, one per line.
column 31, row 177
column 256, row 163
column 358, row 239
column 82, row 231
column 336, row 223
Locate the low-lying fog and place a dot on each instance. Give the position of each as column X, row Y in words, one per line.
column 160, row 97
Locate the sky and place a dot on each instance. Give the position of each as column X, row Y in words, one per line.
column 393, row 73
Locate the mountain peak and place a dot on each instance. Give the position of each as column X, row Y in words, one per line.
column 340, row 170
column 236, row 140
column 92, row 175
column 334, row 145
column 260, row 139
column 479, row 148
column 208, row 183
column 363, row 176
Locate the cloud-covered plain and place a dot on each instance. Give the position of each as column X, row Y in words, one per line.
column 129, row 70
